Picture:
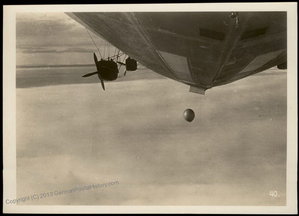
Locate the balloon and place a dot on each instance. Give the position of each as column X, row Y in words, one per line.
column 189, row 115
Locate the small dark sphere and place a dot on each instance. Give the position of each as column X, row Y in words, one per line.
column 189, row 115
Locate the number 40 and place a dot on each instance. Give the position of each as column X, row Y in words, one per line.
column 273, row 193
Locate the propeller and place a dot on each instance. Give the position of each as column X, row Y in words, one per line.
column 97, row 72
column 98, row 68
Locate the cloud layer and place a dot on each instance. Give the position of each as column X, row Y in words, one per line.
column 234, row 152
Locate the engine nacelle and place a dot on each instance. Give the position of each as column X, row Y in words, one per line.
column 282, row 66
column 108, row 69
column 131, row 64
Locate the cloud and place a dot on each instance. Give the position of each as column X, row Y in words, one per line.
column 53, row 38
column 136, row 135
column 51, row 29
column 43, row 25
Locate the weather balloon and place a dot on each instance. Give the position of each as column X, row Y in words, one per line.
column 189, row 115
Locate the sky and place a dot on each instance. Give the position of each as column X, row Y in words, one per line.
column 54, row 38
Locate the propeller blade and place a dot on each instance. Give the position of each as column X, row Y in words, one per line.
column 103, row 86
column 90, row 74
column 98, row 72
column 102, row 82
column 95, row 58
